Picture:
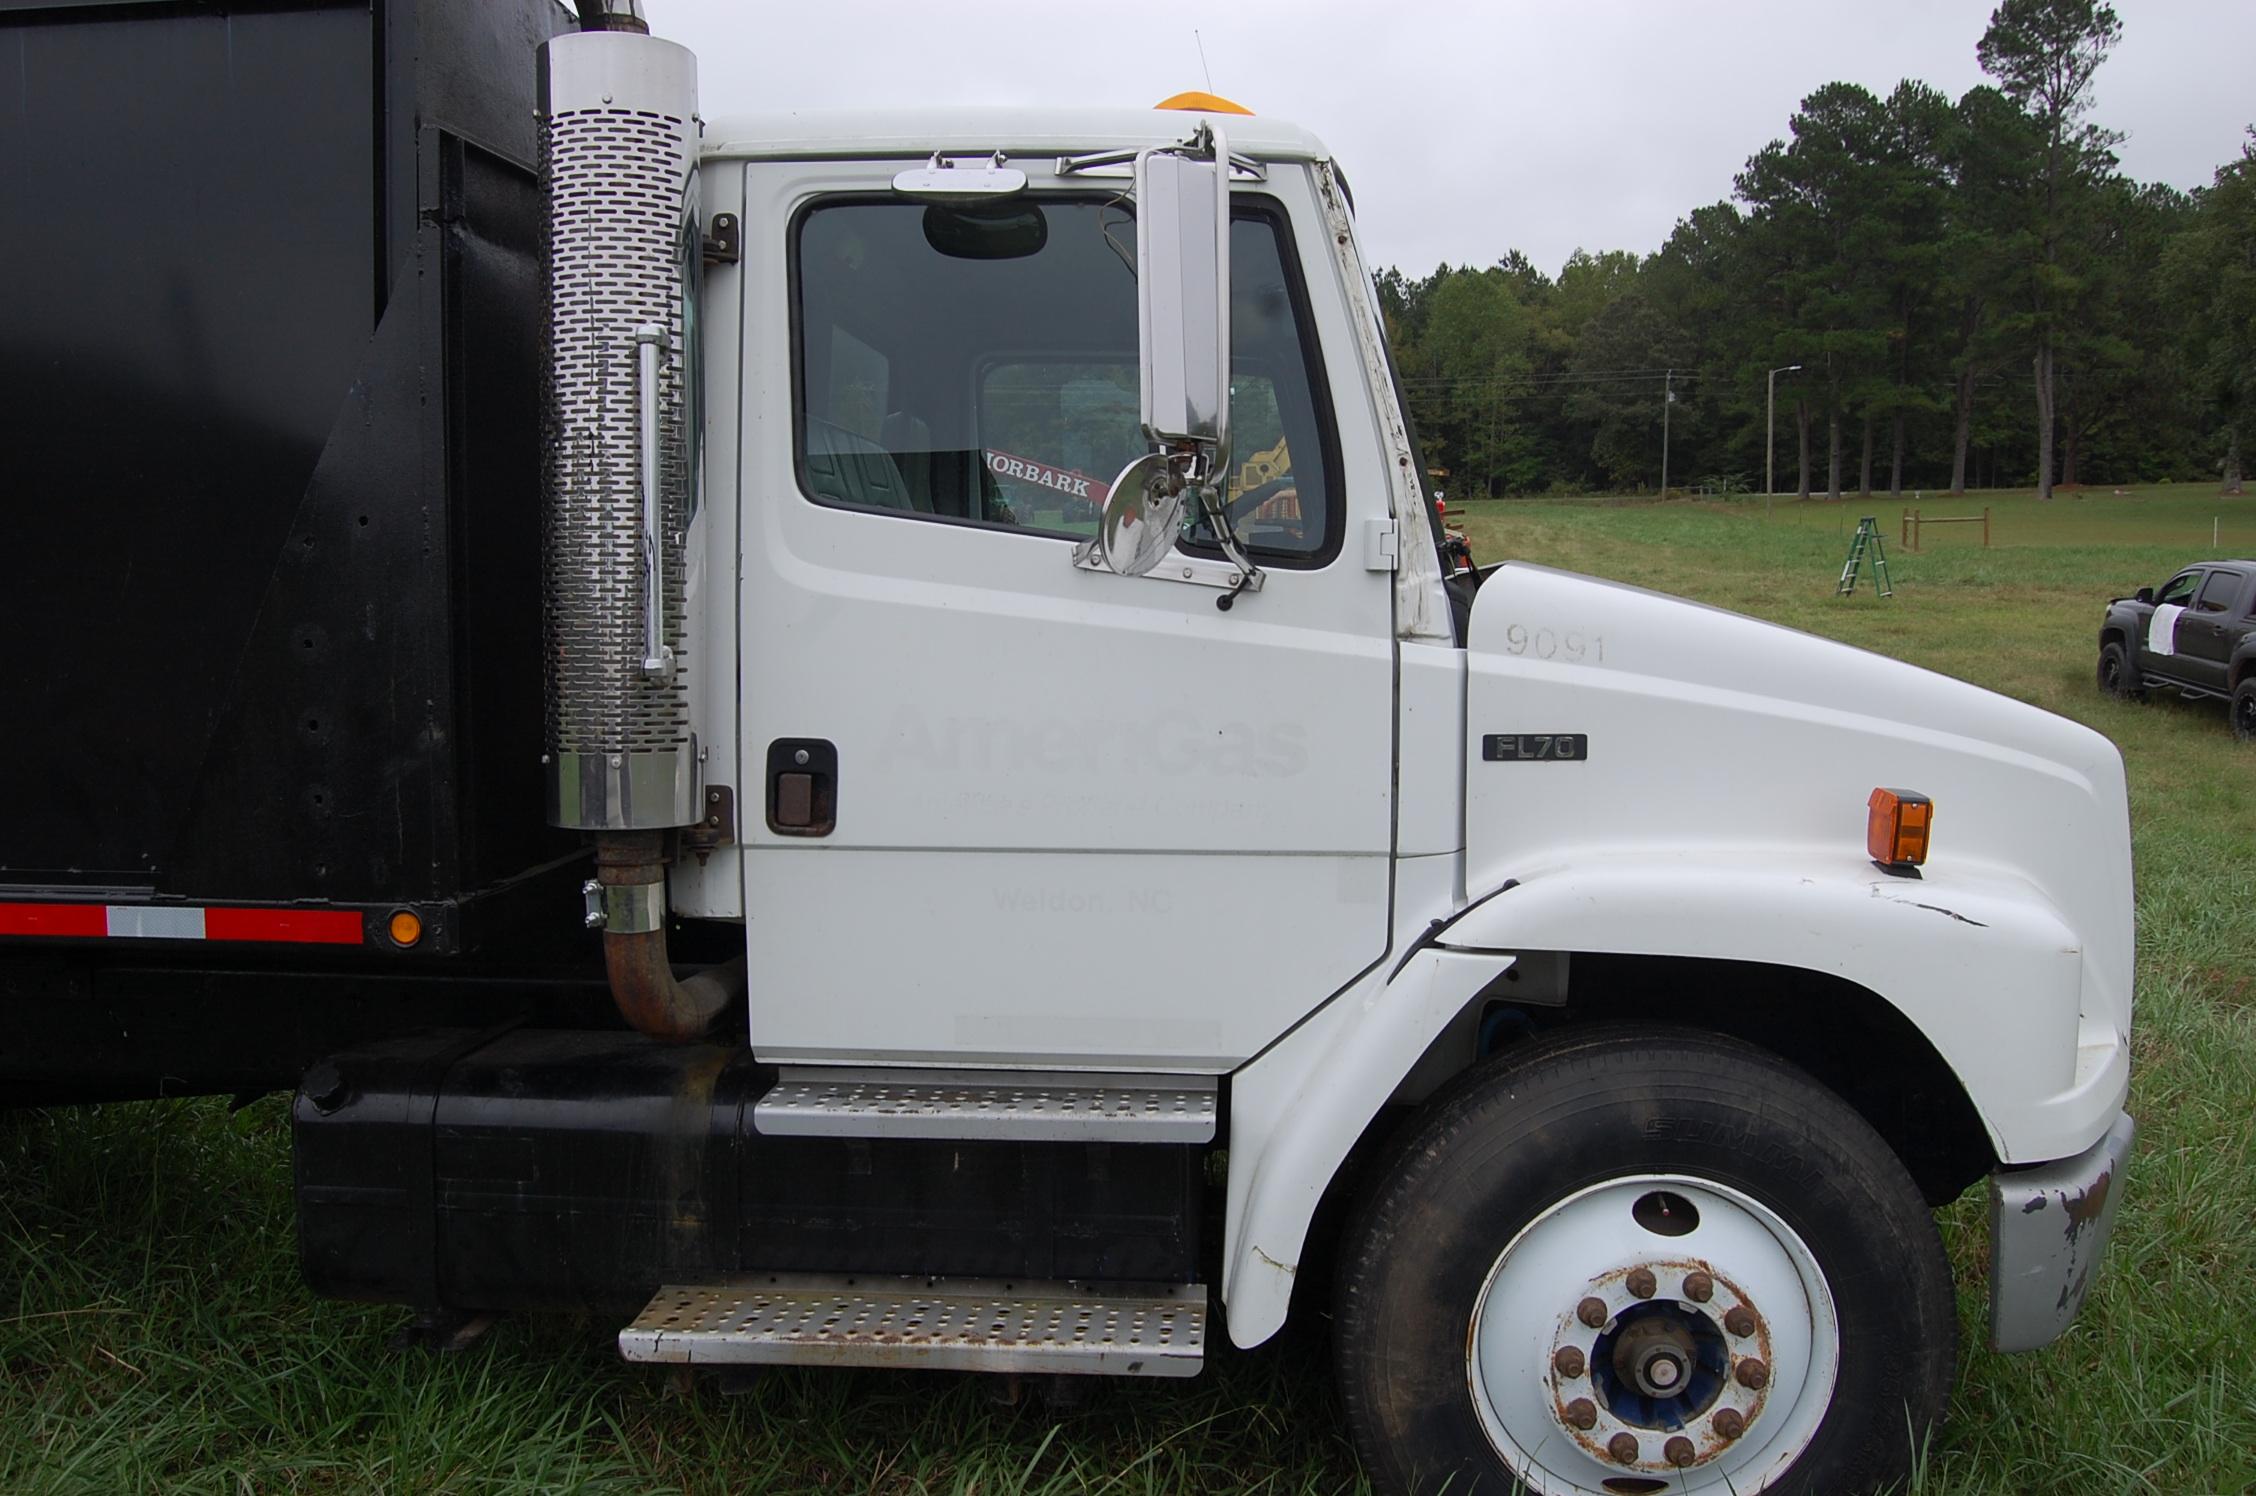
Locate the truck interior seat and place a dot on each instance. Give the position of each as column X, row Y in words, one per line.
column 909, row 439
column 849, row 469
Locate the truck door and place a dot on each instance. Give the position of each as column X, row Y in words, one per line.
column 2166, row 637
column 2208, row 629
column 1001, row 810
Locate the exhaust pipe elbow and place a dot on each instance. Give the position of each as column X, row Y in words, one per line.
column 612, row 15
column 643, row 983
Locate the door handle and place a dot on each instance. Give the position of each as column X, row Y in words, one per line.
column 802, row 787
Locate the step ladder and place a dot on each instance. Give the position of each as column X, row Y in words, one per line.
column 939, row 1324
column 1866, row 544
column 999, row 1106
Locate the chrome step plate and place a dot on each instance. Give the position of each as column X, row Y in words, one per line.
column 941, row 1324
column 1001, row 1106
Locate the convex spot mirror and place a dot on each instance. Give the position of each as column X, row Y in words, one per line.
column 1143, row 517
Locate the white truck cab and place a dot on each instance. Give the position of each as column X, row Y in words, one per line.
column 990, row 567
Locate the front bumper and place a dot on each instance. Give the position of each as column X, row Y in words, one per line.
column 2049, row 1225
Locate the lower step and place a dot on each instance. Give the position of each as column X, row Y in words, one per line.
column 941, row 1324
column 963, row 1104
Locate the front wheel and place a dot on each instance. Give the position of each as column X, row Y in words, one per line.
column 2115, row 677
column 1642, row 1259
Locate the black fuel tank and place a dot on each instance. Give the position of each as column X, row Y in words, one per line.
column 558, row 1169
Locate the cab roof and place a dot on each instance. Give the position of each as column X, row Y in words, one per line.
column 814, row 134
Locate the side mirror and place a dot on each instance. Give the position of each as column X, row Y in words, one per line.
column 2146, row 594
column 1182, row 197
column 1183, row 295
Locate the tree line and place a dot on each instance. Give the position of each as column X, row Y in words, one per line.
column 1934, row 292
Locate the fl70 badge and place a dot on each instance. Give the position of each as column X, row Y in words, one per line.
column 1535, row 747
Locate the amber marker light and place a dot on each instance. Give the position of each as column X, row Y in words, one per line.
column 1895, row 828
column 1199, row 101
column 405, row 928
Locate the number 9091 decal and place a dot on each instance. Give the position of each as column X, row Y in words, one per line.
column 1535, row 747
column 1570, row 645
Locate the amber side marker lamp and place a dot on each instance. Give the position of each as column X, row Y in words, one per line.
column 1895, row 830
column 405, row 928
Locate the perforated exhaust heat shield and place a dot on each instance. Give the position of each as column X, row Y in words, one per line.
column 619, row 185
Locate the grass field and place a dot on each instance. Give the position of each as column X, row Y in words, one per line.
column 154, row 1336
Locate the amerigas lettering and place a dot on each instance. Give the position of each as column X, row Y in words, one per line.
column 1069, row 481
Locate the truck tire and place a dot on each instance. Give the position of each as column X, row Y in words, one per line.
column 2244, row 710
column 1586, row 1223
column 2115, row 677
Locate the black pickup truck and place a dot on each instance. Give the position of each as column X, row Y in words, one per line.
column 2195, row 634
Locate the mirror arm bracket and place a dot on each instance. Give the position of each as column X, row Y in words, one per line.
column 1192, row 571
column 1111, row 163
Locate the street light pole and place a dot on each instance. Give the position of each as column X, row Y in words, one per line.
column 1770, row 432
column 1668, row 398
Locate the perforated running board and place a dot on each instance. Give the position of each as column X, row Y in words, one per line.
column 961, row 1324
column 1018, row 1107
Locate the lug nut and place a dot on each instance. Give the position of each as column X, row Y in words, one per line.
column 1640, row 1282
column 1740, row 1321
column 1679, row 1452
column 1729, row 1423
column 1623, row 1447
column 1569, row 1362
column 1699, row 1287
column 1591, row 1312
column 1582, row 1413
column 1752, row 1374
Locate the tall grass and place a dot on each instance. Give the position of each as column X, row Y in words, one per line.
column 154, row 1335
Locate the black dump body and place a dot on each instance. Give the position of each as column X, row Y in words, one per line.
column 269, row 368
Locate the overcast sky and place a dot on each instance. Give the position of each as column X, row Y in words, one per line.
column 1470, row 129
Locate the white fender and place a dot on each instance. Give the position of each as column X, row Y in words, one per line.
column 1297, row 1108
column 1977, row 958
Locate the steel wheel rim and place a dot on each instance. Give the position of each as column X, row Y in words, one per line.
column 1589, row 1245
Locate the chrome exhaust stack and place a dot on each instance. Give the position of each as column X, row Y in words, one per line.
column 619, row 142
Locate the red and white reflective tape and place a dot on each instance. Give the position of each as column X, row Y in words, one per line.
column 183, row 922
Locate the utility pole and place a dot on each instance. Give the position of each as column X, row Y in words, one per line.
column 1770, row 432
column 1668, row 398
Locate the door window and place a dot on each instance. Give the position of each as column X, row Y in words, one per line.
column 2179, row 589
column 2218, row 593
column 977, row 364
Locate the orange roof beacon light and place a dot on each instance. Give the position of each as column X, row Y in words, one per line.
column 1895, row 830
column 1195, row 100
